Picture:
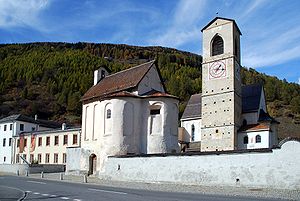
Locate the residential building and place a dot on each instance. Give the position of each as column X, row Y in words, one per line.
column 46, row 147
column 14, row 125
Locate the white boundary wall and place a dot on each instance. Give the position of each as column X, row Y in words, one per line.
column 277, row 169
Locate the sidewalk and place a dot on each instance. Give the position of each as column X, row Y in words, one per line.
column 225, row 190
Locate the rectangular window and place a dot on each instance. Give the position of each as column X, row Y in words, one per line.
column 64, row 157
column 9, row 141
column 40, row 141
column 17, row 158
column 74, row 138
column 47, row 158
column 154, row 111
column 32, row 128
column 65, row 139
column 10, row 127
column 4, row 159
column 4, row 142
column 48, row 141
column 56, row 140
column 21, row 127
column 39, row 158
column 25, row 142
column 5, row 127
column 31, row 158
column 55, row 160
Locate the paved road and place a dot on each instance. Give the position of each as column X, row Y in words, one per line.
column 24, row 188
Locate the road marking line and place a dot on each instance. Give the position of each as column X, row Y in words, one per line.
column 36, row 193
column 36, row 182
column 28, row 191
column 52, row 196
column 76, row 200
column 105, row 191
column 64, row 198
column 45, row 194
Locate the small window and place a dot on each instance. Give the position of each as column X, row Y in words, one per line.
column 40, row 141
column 48, row 141
column 10, row 127
column 47, row 158
column 246, row 140
column 17, row 158
column 244, row 122
column 217, row 46
column 31, row 158
column 258, row 139
column 9, row 141
column 39, row 158
column 4, row 142
column 75, row 139
column 65, row 139
column 108, row 114
column 21, row 127
column 4, row 159
column 56, row 140
column 32, row 128
column 55, row 159
column 154, row 111
column 64, row 157
column 5, row 127
column 193, row 132
column 217, row 131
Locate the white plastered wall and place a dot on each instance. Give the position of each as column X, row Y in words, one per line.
column 187, row 124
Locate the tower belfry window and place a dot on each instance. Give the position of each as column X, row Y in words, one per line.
column 217, row 46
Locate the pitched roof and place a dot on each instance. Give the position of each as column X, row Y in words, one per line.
column 222, row 18
column 251, row 95
column 193, row 108
column 120, row 81
column 255, row 127
column 24, row 118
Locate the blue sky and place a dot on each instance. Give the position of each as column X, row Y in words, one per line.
column 270, row 28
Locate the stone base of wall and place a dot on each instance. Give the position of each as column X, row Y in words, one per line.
column 36, row 168
column 278, row 168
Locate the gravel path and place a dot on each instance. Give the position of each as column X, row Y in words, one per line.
column 222, row 190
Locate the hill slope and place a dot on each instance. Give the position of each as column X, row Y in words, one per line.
column 49, row 79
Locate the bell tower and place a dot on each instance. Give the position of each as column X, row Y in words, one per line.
column 221, row 85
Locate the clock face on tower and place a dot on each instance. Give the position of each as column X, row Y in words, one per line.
column 217, row 70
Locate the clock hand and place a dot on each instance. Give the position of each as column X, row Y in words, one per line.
column 216, row 70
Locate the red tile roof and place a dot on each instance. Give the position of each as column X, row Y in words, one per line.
column 123, row 80
column 255, row 127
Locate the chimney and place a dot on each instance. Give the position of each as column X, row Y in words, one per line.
column 63, row 126
column 99, row 75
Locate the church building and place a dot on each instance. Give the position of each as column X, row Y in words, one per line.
column 125, row 113
column 228, row 116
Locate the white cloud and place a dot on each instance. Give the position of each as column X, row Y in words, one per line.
column 253, row 6
column 184, row 25
column 14, row 13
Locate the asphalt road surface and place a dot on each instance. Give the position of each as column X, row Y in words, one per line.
column 24, row 188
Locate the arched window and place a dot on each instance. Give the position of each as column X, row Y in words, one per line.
column 193, row 132
column 217, row 46
column 258, row 139
column 108, row 114
column 246, row 140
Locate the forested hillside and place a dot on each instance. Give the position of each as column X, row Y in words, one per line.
column 49, row 79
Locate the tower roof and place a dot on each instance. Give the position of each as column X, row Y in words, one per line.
column 222, row 18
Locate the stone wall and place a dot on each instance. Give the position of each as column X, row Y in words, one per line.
column 276, row 168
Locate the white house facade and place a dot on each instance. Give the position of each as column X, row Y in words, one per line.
column 128, row 112
column 12, row 126
column 47, row 146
